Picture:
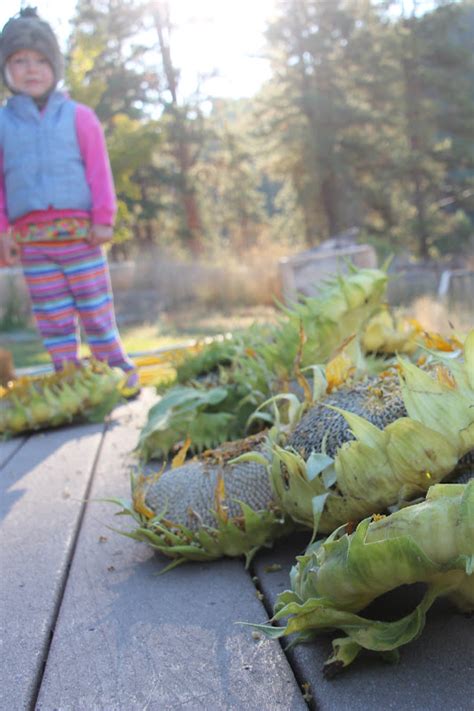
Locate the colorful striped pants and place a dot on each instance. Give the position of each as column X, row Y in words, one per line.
column 69, row 283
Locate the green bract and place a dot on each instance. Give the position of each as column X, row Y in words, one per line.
column 431, row 542
column 384, row 467
column 243, row 536
column 207, row 507
column 257, row 364
column 182, row 412
column 88, row 393
column 197, row 507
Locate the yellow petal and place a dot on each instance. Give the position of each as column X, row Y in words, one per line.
column 339, row 370
column 469, row 358
column 178, row 459
column 445, row 377
column 440, row 343
column 139, row 499
column 219, row 496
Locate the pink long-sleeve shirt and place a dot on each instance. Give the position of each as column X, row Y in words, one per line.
column 98, row 175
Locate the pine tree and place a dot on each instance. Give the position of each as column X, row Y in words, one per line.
column 315, row 106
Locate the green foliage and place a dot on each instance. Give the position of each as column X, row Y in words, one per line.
column 15, row 313
column 227, row 538
column 366, row 124
column 367, row 120
column 229, row 179
column 73, row 394
column 338, row 577
column 185, row 412
column 257, row 364
column 207, row 361
column 112, row 74
column 107, row 68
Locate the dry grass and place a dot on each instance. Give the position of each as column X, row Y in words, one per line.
column 213, row 321
column 219, row 281
column 163, row 300
column 437, row 316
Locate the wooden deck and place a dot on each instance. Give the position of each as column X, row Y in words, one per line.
column 87, row 625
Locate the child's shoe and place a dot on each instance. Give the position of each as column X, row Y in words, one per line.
column 130, row 388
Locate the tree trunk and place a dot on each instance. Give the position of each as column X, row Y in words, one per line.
column 181, row 149
column 414, row 132
column 328, row 195
column 329, row 199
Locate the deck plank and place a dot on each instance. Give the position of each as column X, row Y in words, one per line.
column 129, row 639
column 42, row 487
column 9, row 447
column 434, row 672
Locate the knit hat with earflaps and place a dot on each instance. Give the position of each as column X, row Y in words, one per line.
column 28, row 31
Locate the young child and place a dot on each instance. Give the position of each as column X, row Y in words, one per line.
column 57, row 199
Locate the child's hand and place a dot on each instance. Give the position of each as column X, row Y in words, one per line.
column 9, row 252
column 100, row 234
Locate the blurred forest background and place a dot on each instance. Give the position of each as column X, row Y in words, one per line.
column 367, row 120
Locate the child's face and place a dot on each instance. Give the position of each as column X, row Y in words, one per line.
column 30, row 73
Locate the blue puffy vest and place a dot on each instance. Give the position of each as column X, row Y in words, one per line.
column 42, row 162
